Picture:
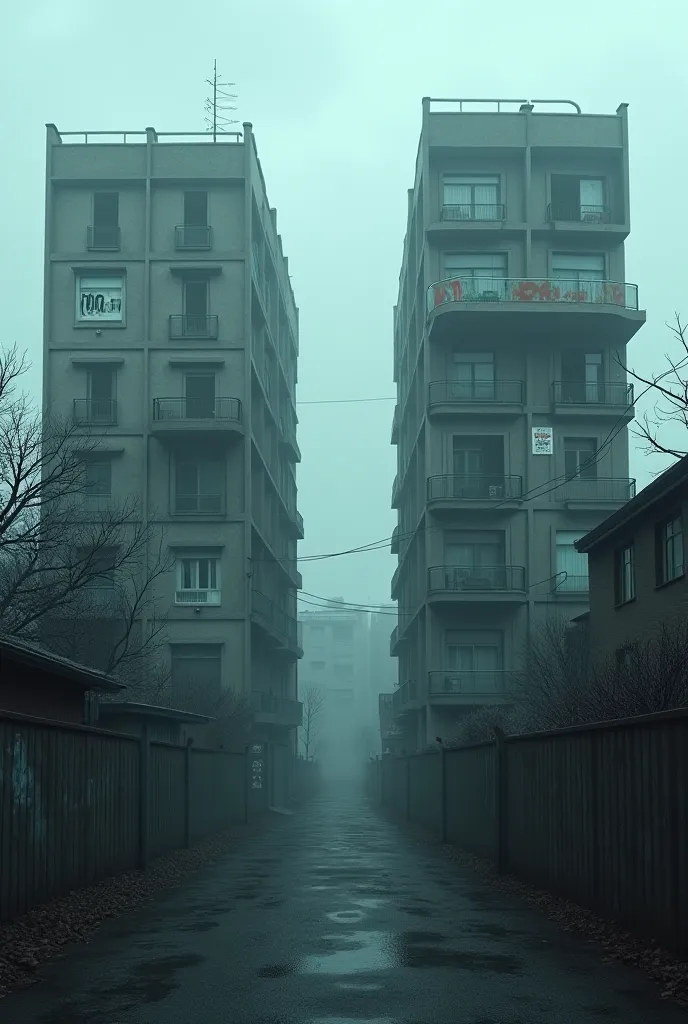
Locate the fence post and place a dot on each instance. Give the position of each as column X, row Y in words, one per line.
column 187, row 796
column 408, row 788
column 443, row 794
column 247, row 782
column 500, row 800
column 144, row 796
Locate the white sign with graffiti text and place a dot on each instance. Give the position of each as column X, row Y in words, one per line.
column 543, row 441
column 100, row 299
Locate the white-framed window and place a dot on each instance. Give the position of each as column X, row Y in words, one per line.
column 199, row 485
column 484, row 265
column 198, row 579
column 100, row 298
column 572, row 566
column 471, row 197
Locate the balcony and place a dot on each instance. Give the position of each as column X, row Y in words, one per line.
column 395, row 426
column 455, row 687
column 103, row 236
column 394, row 587
column 95, row 412
column 395, row 493
column 602, row 491
column 396, row 641
column 295, row 522
column 574, row 213
column 550, row 305
column 199, row 504
column 474, row 212
column 192, row 236
column 200, row 418
column 198, row 326
column 394, row 545
column 407, row 697
column 276, row 710
column 475, row 584
column 471, row 490
column 289, row 443
column 577, row 398
column 198, row 597
column 449, row 397
column 281, row 629
column 565, row 584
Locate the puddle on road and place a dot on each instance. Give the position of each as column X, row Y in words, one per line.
column 346, row 916
column 369, row 904
column 354, row 953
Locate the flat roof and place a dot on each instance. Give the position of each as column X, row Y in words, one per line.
column 27, row 653
column 651, row 495
column 110, row 708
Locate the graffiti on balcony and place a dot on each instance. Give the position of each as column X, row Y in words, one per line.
column 525, row 290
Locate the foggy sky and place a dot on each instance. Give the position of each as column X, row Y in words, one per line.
column 334, row 93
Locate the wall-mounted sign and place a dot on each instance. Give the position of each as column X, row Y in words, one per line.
column 257, row 766
column 543, row 441
column 100, row 299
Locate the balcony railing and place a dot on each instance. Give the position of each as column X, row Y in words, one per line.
column 470, row 682
column 619, row 489
column 285, row 628
column 578, row 392
column 395, row 425
column 474, row 487
column 221, row 409
column 579, row 214
column 197, row 597
column 404, row 695
column 477, row 392
column 192, row 236
column 563, row 291
column 565, row 583
column 281, row 710
column 103, row 236
column 394, row 546
column 395, row 492
column 204, row 504
column 475, row 578
column 194, row 325
column 95, row 410
column 474, row 211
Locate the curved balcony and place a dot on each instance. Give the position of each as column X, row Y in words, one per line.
column 395, row 492
column 180, row 418
column 549, row 304
column 477, row 583
column 579, row 398
column 474, row 489
column 448, row 397
column 457, row 687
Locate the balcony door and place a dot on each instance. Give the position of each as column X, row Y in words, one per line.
column 199, row 395
column 474, row 557
column 481, row 274
column 572, row 566
column 582, row 377
column 195, row 307
column 472, row 377
column 477, row 465
column 473, row 661
column 471, row 198
column 101, row 394
column 580, row 277
column 579, row 458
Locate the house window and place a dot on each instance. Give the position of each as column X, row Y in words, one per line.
column 669, row 558
column 97, row 567
column 199, row 395
column 97, row 485
column 579, row 457
column 624, row 584
column 572, row 566
column 199, row 485
column 474, row 548
column 473, row 197
column 100, row 299
column 343, row 671
column 196, row 678
column 196, row 298
column 100, row 384
column 582, row 377
column 578, row 199
column 195, row 209
column 580, row 278
column 104, row 234
column 472, row 376
column 198, row 580
column 482, row 274
column 473, row 662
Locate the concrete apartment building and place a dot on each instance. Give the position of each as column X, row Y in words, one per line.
column 171, row 330
column 510, row 333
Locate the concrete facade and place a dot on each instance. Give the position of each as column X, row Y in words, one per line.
column 655, row 590
column 510, row 333
column 171, row 331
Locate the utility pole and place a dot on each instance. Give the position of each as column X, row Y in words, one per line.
column 219, row 105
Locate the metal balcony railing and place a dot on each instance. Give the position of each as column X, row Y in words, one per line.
column 578, row 392
column 197, row 597
column 286, row 712
column 192, row 236
column 562, row 291
column 476, row 392
column 579, row 214
column 95, row 410
column 475, row 578
column 404, row 695
column 470, row 682
column 605, row 488
column 103, row 236
column 474, row 487
column 222, row 409
column 194, row 325
column 474, row 211
column 566, row 583
column 201, row 503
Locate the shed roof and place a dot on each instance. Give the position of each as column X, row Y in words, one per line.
column 111, row 708
column 27, row 653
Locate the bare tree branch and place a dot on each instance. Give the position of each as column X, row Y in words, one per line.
column 313, row 703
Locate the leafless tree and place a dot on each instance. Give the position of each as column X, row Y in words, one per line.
column 313, row 703
column 670, row 392
column 74, row 576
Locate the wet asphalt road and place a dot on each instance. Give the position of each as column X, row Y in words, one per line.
column 335, row 916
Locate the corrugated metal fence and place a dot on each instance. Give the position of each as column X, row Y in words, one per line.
column 596, row 814
column 79, row 804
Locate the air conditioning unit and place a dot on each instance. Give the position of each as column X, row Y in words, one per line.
column 591, row 218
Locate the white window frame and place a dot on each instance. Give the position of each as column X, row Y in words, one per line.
column 104, row 281
column 197, row 595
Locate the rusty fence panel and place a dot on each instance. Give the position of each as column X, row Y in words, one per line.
column 218, row 791
column 470, row 794
column 68, row 809
column 167, row 798
column 425, row 793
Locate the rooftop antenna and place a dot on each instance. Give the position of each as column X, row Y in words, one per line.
column 219, row 105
